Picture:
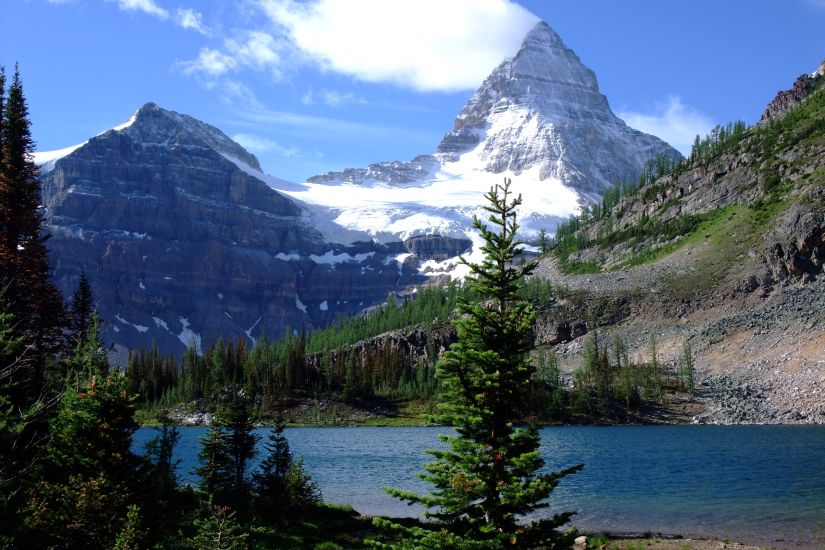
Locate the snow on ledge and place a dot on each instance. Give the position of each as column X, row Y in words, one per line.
column 189, row 337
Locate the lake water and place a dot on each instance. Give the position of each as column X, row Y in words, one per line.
column 760, row 484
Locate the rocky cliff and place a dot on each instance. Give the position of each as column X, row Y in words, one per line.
column 786, row 99
column 184, row 243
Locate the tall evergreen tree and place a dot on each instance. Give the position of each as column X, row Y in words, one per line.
column 488, row 481
column 24, row 270
column 226, row 452
column 270, row 478
column 82, row 308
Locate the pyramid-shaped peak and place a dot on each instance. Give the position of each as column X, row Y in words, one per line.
column 541, row 35
column 154, row 124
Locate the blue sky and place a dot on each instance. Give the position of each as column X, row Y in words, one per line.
column 322, row 85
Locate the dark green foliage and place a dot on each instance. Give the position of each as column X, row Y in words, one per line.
column 215, row 470
column 720, row 140
column 301, row 492
column 548, row 398
column 543, row 242
column 226, row 452
column 30, row 296
column 89, row 471
column 283, row 489
column 426, row 306
column 488, row 481
column 270, row 478
column 20, row 433
column 611, row 387
column 82, row 309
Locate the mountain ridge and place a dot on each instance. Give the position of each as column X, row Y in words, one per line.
column 183, row 235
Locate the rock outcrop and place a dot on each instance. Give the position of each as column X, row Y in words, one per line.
column 183, row 246
column 787, row 99
column 795, row 247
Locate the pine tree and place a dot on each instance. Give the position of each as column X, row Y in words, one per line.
column 24, row 270
column 132, row 536
column 270, row 478
column 544, row 243
column 488, row 481
column 219, row 530
column 215, row 470
column 241, row 441
column 82, row 308
column 226, row 452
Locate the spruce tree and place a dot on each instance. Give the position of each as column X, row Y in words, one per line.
column 226, row 452
column 488, row 480
column 24, row 269
column 82, row 308
column 215, row 470
column 270, row 478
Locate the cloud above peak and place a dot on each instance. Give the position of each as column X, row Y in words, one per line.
column 427, row 45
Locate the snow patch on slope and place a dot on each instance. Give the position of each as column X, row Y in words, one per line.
column 189, row 337
column 275, row 183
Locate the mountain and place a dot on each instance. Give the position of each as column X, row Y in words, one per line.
column 539, row 119
column 183, row 241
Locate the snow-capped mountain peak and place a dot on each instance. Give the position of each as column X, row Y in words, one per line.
column 153, row 125
column 539, row 118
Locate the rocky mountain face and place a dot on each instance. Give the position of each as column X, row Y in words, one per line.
column 739, row 278
column 539, row 119
column 182, row 245
column 786, row 99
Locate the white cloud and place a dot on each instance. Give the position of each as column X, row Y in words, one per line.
column 211, row 63
column 258, row 50
column 258, row 144
column 673, row 121
column 428, row 45
column 233, row 91
column 188, row 18
column 146, row 6
column 332, row 98
column 255, row 50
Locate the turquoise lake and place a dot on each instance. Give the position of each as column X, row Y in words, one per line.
column 759, row 484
